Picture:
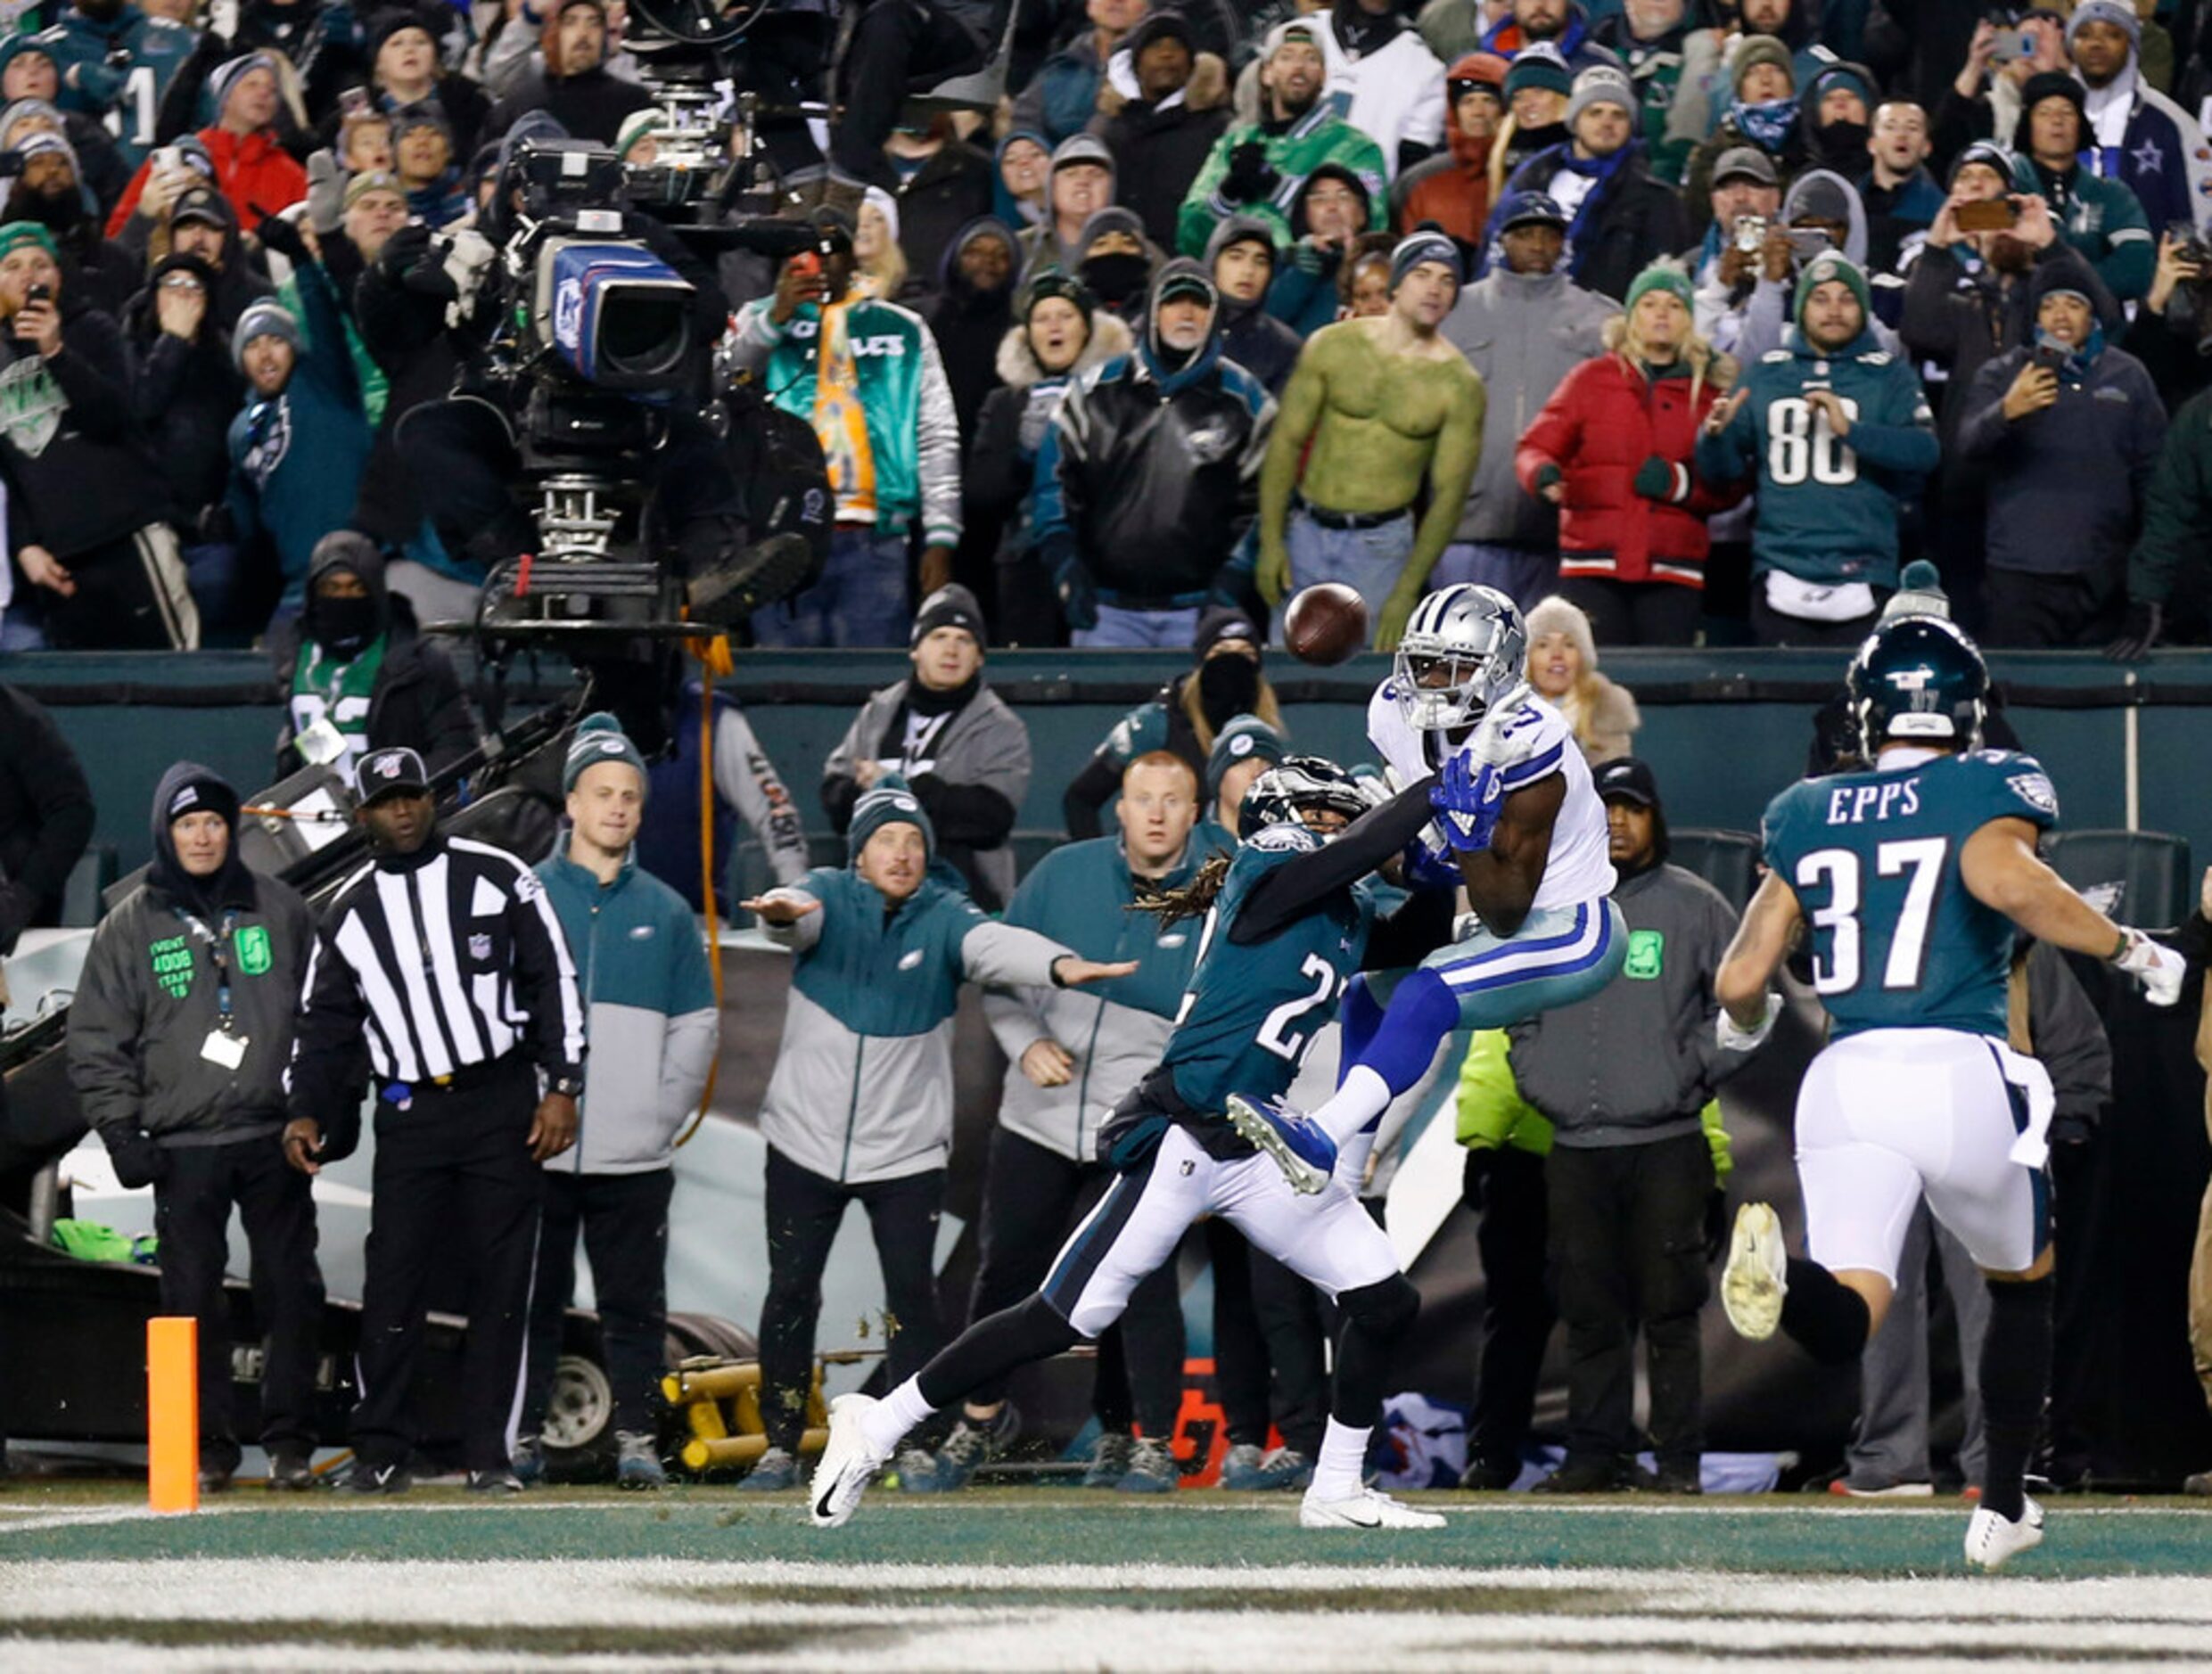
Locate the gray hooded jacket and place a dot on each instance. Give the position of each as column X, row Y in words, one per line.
column 1523, row 333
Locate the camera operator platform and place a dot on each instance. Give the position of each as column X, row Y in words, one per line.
column 580, row 328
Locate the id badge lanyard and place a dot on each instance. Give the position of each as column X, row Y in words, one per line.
column 217, row 950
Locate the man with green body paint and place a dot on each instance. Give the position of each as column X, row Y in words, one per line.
column 1385, row 402
column 179, row 1036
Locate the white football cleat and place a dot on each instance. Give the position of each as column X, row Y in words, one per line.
column 846, row 1467
column 1991, row 1539
column 1369, row 1508
column 1753, row 1283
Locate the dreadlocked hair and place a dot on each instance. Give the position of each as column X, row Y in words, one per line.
column 1194, row 900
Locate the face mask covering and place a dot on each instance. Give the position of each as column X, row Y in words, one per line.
column 1229, row 685
column 345, row 625
column 1116, row 278
column 1843, row 141
column 1765, row 124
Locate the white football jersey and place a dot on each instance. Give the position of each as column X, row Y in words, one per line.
column 1579, row 869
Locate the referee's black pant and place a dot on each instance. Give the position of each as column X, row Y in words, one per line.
column 192, row 1205
column 453, row 1180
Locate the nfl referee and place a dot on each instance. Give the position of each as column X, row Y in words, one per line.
column 439, row 969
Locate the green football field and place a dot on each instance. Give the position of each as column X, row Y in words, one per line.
column 1040, row 1578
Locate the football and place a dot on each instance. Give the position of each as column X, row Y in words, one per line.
column 1325, row 623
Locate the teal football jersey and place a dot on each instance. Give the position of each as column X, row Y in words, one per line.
column 1873, row 858
column 1250, row 1011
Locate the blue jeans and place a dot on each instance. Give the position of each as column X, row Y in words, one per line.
column 1368, row 560
column 1524, row 574
column 860, row 599
column 1120, row 629
column 211, row 570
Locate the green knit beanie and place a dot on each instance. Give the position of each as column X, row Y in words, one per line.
column 1664, row 274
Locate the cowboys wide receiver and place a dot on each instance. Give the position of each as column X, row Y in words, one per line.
column 1518, row 823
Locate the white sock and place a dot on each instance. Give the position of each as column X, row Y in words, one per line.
column 1337, row 1472
column 1363, row 1096
column 886, row 1423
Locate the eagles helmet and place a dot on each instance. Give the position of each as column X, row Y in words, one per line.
column 1279, row 796
column 1918, row 678
column 1463, row 649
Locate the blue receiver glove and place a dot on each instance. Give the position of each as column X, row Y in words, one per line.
column 1468, row 798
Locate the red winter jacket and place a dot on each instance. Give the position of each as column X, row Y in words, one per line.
column 1598, row 427
column 256, row 176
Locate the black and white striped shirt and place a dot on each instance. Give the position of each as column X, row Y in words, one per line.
column 436, row 962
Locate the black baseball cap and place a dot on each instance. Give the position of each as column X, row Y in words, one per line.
column 394, row 772
column 1628, row 780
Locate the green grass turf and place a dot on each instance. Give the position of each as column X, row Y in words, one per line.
column 997, row 1528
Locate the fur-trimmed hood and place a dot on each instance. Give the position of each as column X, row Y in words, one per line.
column 1017, row 366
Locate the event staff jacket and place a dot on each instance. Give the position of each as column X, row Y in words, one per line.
column 435, row 966
column 1084, row 895
column 1637, row 1062
column 649, row 1013
column 152, row 994
column 862, row 1088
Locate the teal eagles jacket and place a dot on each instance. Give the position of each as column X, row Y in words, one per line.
column 1082, row 895
column 862, row 1088
column 912, row 430
column 1827, row 505
column 649, row 1014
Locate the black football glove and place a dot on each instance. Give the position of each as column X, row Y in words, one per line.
column 1250, row 177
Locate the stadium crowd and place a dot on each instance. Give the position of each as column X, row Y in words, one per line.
column 1821, row 290
column 1677, row 322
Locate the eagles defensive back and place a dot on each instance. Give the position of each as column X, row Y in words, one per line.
column 1519, row 824
column 1911, row 878
column 1286, row 926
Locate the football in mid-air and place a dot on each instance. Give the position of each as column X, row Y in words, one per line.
column 1325, row 623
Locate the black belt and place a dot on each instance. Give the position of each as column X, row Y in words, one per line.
column 1327, row 518
column 467, row 1078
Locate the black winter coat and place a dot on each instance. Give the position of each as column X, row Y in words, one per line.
column 185, row 395
column 1156, row 155
column 91, row 479
column 417, row 700
column 1634, row 221
column 45, row 815
column 588, row 106
column 947, row 192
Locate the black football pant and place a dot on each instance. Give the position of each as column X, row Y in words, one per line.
column 1033, row 1198
column 1506, row 1189
column 623, row 1219
column 192, row 1207
column 804, row 1210
column 1628, row 1249
column 453, row 1181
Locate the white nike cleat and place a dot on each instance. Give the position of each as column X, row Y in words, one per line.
column 1753, row 1283
column 846, row 1467
column 1991, row 1539
column 1369, row 1508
